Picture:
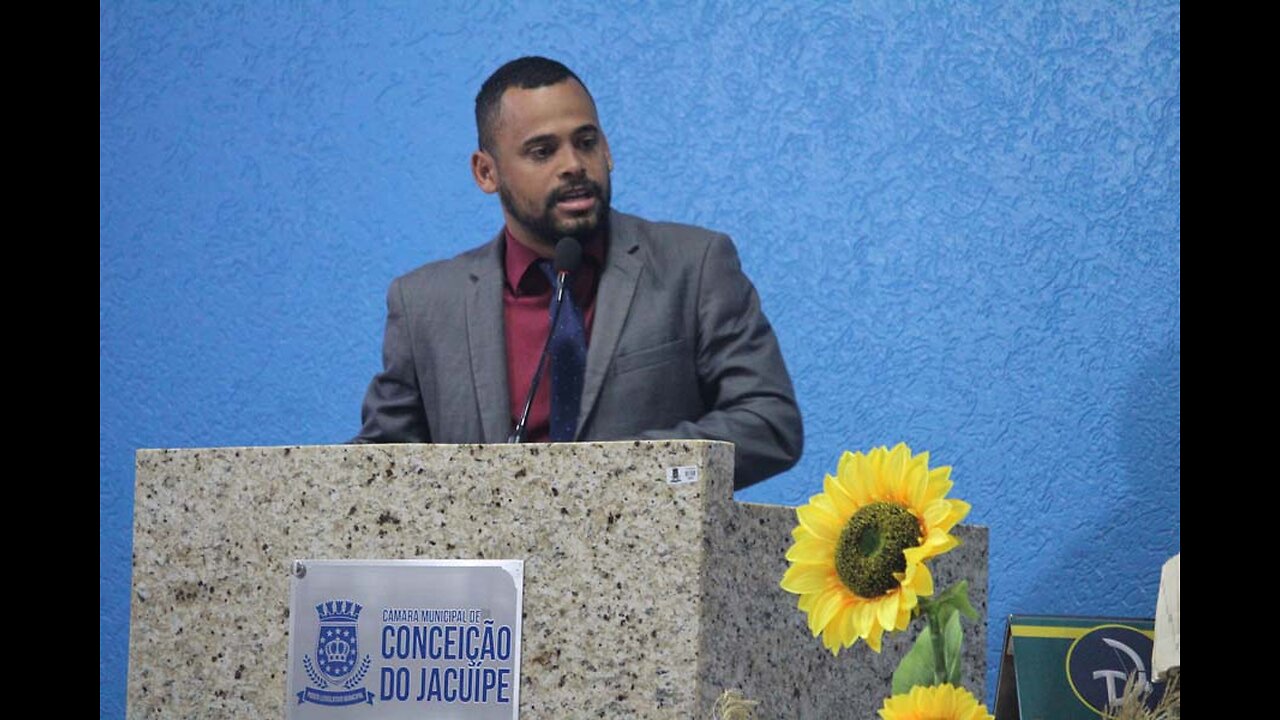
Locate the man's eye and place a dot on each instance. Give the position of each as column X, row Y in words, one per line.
column 540, row 152
column 588, row 142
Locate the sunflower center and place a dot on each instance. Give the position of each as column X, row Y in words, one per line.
column 870, row 548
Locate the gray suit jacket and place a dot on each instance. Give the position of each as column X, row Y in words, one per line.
column 679, row 349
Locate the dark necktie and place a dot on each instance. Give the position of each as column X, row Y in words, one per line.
column 568, row 360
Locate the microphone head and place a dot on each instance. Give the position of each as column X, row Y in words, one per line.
column 568, row 255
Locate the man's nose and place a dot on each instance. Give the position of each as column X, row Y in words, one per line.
column 573, row 165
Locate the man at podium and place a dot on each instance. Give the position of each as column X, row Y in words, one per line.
column 577, row 322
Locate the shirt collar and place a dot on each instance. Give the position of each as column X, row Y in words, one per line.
column 519, row 259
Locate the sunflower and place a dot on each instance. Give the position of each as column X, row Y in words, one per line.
column 858, row 558
column 939, row 702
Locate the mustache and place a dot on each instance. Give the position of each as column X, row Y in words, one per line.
column 559, row 193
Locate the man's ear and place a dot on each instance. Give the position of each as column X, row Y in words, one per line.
column 485, row 171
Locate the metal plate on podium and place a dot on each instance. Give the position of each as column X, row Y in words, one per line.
column 392, row 639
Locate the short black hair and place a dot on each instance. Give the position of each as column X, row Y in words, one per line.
column 526, row 73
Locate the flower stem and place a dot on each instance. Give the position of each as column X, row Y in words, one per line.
column 934, row 616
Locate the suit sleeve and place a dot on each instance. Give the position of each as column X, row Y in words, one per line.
column 741, row 374
column 393, row 410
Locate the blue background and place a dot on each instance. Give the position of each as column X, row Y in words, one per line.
column 964, row 222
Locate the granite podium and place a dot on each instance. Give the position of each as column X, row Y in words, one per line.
column 642, row 597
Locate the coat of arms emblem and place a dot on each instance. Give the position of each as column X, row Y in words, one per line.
column 337, row 657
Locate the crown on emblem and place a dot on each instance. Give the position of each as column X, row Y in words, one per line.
column 337, row 650
column 339, row 611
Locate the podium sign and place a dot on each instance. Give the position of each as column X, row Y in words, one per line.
column 1071, row 668
column 391, row 639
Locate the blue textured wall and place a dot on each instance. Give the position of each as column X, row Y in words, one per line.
column 964, row 223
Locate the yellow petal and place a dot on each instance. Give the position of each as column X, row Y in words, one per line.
column 873, row 638
column 849, row 626
column 823, row 502
column 935, row 513
column 887, row 609
column 844, row 504
column 801, row 534
column 934, row 544
column 887, row 473
column 819, row 521
column 915, row 555
column 904, row 619
column 875, row 457
column 806, row 578
column 905, row 604
column 844, row 467
column 812, row 551
column 864, row 616
column 933, row 702
column 846, row 470
column 939, row 483
column 921, row 580
column 855, row 478
column 867, row 466
column 916, row 481
column 830, row 642
column 839, row 620
column 898, row 458
column 824, row 609
column 959, row 511
column 940, row 542
column 944, row 514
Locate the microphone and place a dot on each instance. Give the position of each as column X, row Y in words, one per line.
column 568, row 259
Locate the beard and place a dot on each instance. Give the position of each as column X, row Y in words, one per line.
column 546, row 227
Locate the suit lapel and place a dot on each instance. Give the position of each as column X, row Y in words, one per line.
column 487, row 342
column 613, row 302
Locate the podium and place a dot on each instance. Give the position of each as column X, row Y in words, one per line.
column 648, row 591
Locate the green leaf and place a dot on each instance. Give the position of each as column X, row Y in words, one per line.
column 916, row 667
column 953, row 639
column 956, row 598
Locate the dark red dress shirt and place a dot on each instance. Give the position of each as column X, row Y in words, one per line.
column 526, row 304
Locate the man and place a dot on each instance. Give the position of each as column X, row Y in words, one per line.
column 659, row 334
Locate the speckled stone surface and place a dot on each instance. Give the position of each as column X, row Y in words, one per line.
column 641, row 599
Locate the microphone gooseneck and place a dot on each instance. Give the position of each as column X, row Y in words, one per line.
column 568, row 259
